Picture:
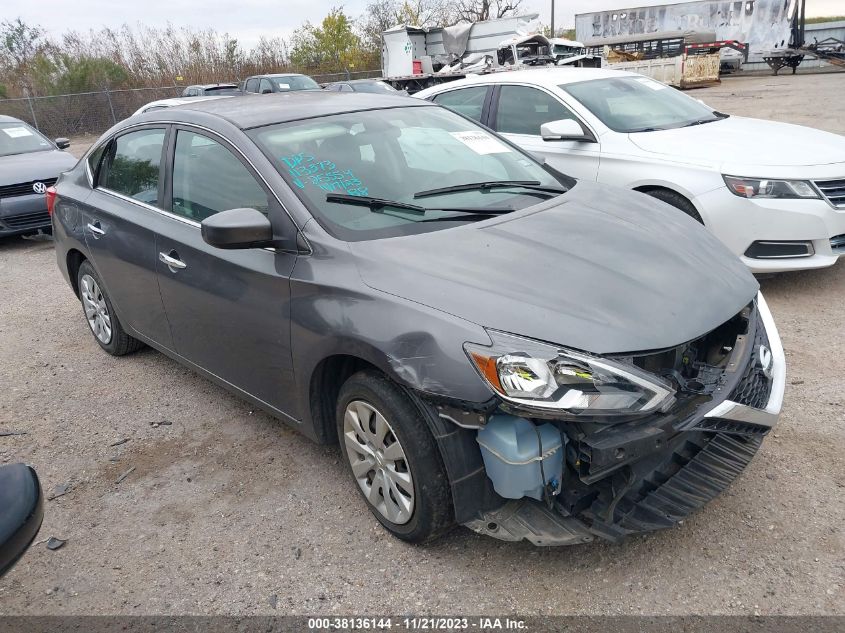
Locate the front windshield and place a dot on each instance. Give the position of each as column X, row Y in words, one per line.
column 18, row 138
column 295, row 82
column 393, row 154
column 638, row 104
column 373, row 86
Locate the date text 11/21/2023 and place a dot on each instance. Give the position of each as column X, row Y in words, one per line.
column 420, row 623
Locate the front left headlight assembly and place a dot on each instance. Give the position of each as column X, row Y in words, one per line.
column 574, row 384
column 765, row 188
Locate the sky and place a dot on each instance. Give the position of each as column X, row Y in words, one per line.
column 247, row 20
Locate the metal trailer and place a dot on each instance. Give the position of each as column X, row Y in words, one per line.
column 762, row 25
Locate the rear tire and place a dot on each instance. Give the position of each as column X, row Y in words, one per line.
column 392, row 450
column 677, row 201
column 100, row 315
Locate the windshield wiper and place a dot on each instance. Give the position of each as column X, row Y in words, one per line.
column 373, row 203
column 533, row 185
column 648, row 129
column 377, row 204
column 699, row 122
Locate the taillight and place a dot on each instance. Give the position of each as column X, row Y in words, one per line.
column 50, row 194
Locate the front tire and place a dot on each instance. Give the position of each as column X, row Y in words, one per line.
column 393, row 458
column 676, row 200
column 100, row 315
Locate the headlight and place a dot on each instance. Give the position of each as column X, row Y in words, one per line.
column 538, row 375
column 763, row 188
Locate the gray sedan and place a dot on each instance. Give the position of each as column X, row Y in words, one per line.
column 491, row 342
column 29, row 164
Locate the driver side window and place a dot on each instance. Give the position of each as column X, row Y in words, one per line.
column 522, row 110
column 265, row 86
column 208, row 178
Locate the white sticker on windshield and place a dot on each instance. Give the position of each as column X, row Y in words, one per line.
column 654, row 85
column 284, row 86
column 17, row 132
column 481, row 142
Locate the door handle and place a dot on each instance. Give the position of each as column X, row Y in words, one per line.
column 173, row 263
column 95, row 229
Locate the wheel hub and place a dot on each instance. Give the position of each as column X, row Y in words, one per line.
column 378, row 462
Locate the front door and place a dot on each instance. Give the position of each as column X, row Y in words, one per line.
column 229, row 310
column 519, row 111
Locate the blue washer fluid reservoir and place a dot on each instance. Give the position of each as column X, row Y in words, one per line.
column 511, row 453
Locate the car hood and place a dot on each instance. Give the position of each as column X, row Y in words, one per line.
column 599, row 269
column 746, row 141
column 34, row 166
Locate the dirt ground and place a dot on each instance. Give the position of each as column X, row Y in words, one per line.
column 228, row 511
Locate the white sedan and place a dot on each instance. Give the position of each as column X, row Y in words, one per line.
column 773, row 192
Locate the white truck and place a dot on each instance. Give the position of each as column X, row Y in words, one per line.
column 414, row 58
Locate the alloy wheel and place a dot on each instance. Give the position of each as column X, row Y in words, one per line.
column 96, row 310
column 378, row 462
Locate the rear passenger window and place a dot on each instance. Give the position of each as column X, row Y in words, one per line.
column 251, row 85
column 208, row 178
column 131, row 165
column 466, row 101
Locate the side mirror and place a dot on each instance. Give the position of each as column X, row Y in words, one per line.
column 21, row 512
column 62, row 142
column 237, row 228
column 564, row 130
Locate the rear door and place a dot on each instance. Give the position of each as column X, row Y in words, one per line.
column 119, row 221
column 228, row 309
column 517, row 112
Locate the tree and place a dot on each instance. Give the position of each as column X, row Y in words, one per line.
column 480, row 10
column 20, row 43
column 331, row 46
column 383, row 14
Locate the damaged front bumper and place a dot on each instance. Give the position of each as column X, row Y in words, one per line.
column 647, row 475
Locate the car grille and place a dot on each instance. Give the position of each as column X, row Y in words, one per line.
column 26, row 220
column 754, row 387
column 23, row 188
column 833, row 191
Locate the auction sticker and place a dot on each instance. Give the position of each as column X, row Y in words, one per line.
column 481, row 142
column 16, row 132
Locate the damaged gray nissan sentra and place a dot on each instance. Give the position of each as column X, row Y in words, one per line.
column 492, row 343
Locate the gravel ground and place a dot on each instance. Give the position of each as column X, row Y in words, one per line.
column 228, row 511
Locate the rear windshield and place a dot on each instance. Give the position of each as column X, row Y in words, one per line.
column 391, row 154
column 378, row 87
column 19, row 138
column 222, row 90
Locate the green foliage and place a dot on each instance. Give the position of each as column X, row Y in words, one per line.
column 3, row 92
column 332, row 46
column 85, row 74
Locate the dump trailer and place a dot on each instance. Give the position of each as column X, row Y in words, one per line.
column 687, row 59
column 414, row 58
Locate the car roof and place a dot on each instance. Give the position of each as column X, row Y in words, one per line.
column 539, row 76
column 255, row 111
column 280, row 75
column 9, row 119
column 218, row 85
column 356, row 81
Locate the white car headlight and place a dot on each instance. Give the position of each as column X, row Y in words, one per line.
column 541, row 376
column 764, row 188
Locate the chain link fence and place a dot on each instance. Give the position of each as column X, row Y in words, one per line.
column 94, row 112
